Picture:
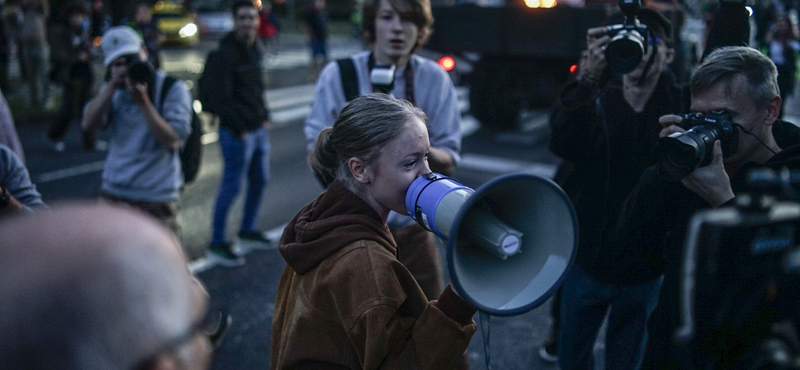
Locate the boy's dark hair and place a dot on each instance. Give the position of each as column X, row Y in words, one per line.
column 419, row 11
column 241, row 4
column 75, row 8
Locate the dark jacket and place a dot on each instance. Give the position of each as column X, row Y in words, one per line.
column 344, row 301
column 66, row 46
column 659, row 209
column 606, row 147
column 235, row 79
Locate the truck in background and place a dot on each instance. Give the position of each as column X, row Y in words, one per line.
column 522, row 55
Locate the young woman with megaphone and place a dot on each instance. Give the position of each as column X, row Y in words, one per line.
column 344, row 299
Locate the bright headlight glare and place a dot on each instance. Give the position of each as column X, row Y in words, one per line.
column 189, row 30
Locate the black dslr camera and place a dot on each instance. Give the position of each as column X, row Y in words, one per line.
column 628, row 43
column 140, row 71
column 681, row 153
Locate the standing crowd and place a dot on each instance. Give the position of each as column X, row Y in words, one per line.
column 106, row 285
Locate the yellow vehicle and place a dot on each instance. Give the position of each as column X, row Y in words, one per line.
column 176, row 23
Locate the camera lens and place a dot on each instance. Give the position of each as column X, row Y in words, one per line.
column 681, row 153
column 625, row 51
column 140, row 72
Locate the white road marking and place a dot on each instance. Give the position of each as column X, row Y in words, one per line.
column 70, row 172
column 497, row 165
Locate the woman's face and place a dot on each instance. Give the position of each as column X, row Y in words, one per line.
column 400, row 162
column 395, row 36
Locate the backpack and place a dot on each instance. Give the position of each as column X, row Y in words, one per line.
column 192, row 151
column 205, row 92
column 350, row 89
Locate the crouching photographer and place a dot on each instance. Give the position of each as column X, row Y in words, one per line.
column 734, row 93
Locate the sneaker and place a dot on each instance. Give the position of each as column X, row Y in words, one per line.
column 252, row 236
column 549, row 351
column 100, row 146
column 222, row 254
column 55, row 146
column 58, row 146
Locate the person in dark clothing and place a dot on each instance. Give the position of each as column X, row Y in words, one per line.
column 765, row 14
column 5, row 51
column 316, row 20
column 743, row 82
column 100, row 20
column 727, row 24
column 143, row 23
column 235, row 78
column 605, row 128
column 782, row 48
column 72, row 68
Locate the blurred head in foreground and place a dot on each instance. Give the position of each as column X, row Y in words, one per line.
column 89, row 286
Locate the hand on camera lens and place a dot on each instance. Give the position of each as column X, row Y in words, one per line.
column 671, row 124
column 137, row 90
column 711, row 182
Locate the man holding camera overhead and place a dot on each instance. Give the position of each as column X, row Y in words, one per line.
column 143, row 167
column 740, row 85
column 605, row 126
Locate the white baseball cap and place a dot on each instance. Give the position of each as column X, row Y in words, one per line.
column 119, row 41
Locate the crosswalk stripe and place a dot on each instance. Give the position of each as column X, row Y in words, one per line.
column 497, row 165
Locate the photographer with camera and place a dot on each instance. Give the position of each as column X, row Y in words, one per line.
column 604, row 127
column 735, row 97
column 143, row 167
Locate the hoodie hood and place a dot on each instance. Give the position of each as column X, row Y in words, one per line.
column 334, row 220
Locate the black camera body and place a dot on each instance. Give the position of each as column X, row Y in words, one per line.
column 680, row 153
column 140, row 71
column 628, row 43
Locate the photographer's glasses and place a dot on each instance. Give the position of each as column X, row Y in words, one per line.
column 653, row 39
column 213, row 325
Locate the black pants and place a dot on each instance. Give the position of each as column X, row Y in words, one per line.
column 76, row 93
column 4, row 71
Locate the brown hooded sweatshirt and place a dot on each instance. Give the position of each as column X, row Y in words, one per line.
column 345, row 302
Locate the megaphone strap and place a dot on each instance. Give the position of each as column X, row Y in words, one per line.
column 433, row 177
column 486, row 328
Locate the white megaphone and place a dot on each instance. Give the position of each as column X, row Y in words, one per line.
column 509, row 244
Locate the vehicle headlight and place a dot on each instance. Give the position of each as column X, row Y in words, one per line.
column 189, row 30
